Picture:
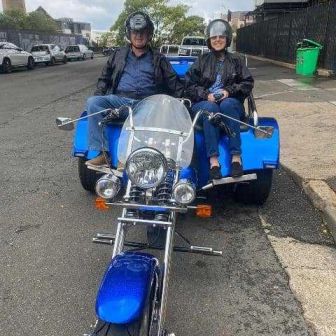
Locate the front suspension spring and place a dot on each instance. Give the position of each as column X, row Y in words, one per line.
column 164, row 190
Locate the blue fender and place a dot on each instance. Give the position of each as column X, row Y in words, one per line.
column 125, row 287
column 257, row 153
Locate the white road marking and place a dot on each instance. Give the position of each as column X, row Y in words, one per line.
column 297, row 84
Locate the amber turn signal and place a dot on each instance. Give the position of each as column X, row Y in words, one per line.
column 100, row 204
column 204, row 210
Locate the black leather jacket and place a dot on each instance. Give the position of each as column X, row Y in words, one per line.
column 165, row 77
column 236, row 77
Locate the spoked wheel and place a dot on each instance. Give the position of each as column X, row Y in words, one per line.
column 6, row 66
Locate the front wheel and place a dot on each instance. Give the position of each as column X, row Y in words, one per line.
column 84, row 57
column 65, row 60
column 87, row 177
column 31, row 63
column 6, row 66
column 257, row 191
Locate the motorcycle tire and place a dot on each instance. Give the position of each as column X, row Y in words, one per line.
column 156, row 236
column 88, row 178
column 257, row 191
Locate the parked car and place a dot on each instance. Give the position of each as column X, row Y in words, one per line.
column 12, row 56
column 79, row 52
column 169, row 49
column 193, row 46
column 48, row 54
column 108, row 50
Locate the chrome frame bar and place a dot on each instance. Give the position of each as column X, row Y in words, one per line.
column 135, row 221
column 166, row 268
column 148, row 207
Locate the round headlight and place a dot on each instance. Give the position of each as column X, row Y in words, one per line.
column 146, row 167
column 184, row 192
column 108, row 186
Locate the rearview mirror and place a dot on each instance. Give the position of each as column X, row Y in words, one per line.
column 263, row 132
column 65, row 124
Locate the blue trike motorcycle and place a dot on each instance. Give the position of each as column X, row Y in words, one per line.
column 164, row 167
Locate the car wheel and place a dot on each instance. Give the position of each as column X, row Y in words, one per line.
column 92, row 56
column 52, row 61
column 31, row 63
column 6, row 66
column 257, row 191
column 84, row 57
column 65, row 60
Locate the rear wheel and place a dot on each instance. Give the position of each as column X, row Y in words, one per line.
column 65, row 60
column 84, row 57
column 87, row 177
column 257, row 191
column 52, row 61
column 6, row 66
column 31, row 63
column 92, row 56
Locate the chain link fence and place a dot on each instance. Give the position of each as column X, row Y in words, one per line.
column 277, row 38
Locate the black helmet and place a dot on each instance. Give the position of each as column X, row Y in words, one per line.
column 218, row 27
column 138, row 21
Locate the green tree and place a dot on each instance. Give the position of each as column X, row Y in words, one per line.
column 17, row 19
column 41, row 22
column 164, row 17
column 191, row 25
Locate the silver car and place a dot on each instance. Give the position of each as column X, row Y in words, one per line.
column 12, row 56
column 78, row 52
column 48, row 54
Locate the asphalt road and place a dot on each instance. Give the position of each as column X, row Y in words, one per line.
column 50, row 270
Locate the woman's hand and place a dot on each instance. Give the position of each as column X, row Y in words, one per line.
column 211, row 98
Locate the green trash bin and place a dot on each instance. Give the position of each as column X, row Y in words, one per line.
column 307, row 55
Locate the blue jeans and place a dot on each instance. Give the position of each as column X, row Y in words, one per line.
column 98, row 103
column 231, row 107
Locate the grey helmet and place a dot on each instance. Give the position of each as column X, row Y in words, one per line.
column 139, row 21
column 218, row 27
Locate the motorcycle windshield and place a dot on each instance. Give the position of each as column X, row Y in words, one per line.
column 161, row 122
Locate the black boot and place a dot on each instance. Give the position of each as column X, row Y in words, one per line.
column 215, row 173
column 236, row 169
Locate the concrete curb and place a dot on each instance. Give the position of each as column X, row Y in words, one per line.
column 320, row 72
column 321, row 196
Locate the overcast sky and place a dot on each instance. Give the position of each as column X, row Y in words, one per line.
column 102, row 13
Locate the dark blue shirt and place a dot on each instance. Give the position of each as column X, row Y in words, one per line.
column 218, row 85
column 138, row 75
